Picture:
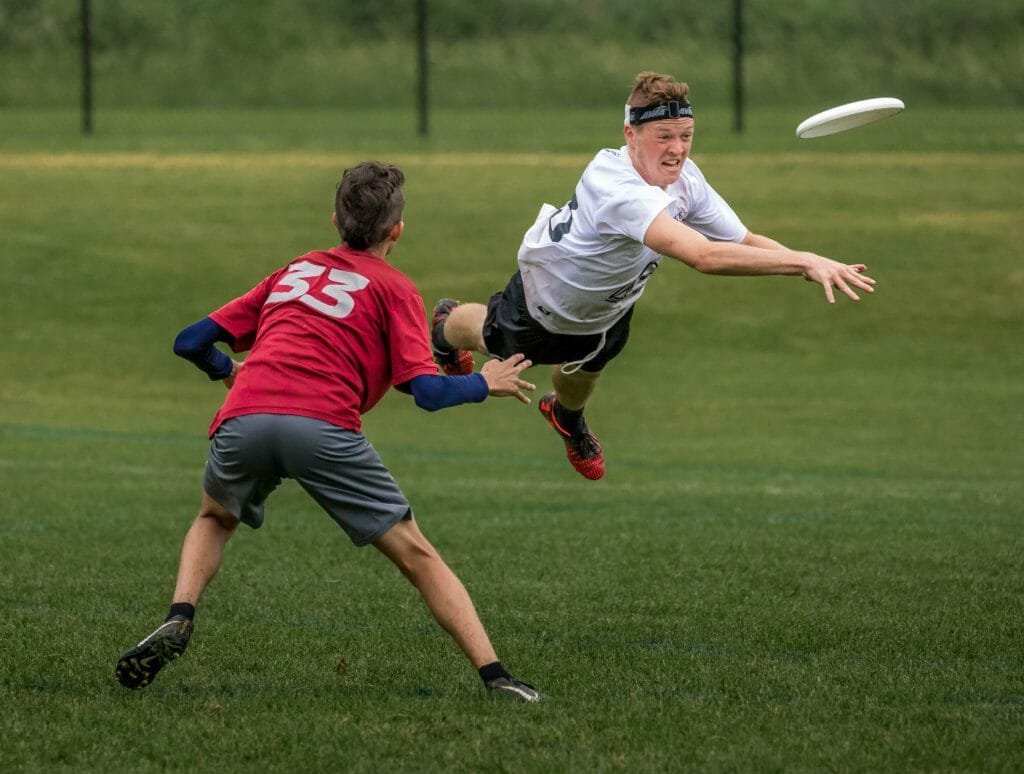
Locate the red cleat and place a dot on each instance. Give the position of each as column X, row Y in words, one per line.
column 582, row 449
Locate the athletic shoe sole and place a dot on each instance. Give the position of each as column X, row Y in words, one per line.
column 139, row 665
column 510, row 688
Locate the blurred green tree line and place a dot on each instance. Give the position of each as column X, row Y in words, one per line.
column 508, row 53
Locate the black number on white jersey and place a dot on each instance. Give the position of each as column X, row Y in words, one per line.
column 634, row 287
column 558, row 230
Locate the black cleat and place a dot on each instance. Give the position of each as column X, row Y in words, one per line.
column 139, row 665
column 510, row 688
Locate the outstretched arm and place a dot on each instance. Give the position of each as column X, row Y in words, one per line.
column 758, row 256
column 760, row 240
column 497, row 377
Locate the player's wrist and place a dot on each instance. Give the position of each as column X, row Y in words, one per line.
column 805, row 263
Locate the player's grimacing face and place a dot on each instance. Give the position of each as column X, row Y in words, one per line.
column 659, row 149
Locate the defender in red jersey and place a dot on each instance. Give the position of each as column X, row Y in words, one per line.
column 327, row 335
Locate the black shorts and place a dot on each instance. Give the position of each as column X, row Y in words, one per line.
column 509, row 329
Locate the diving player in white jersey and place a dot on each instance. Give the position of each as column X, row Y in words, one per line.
column 583, row 266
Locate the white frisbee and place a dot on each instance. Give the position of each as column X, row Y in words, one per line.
column 848, row 116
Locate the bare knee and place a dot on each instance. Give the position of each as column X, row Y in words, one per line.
column 217, row 513
column 409, row 550
column 417, row 559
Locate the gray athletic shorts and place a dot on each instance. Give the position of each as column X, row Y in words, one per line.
column 250, row 454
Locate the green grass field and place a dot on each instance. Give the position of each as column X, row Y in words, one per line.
column 806, row 553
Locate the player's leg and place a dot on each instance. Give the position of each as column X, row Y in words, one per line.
column 573, row 390
column 442, row 591
column 450, row 604
column 345, row 475
column 464, row 327
column 563, row 409
column 458, row 330
column 203, row 549
column 239, row 471
column 455, row 331
column 201, row 554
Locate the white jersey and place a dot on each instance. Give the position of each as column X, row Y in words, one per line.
column 585, row 265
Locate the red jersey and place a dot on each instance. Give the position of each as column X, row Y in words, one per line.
column 328, row 334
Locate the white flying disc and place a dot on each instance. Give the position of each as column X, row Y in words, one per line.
column 848, row 116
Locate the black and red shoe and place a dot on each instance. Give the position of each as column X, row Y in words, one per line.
column 581, row 447
column 454, row 362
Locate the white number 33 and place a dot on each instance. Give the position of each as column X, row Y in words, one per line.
column 341, row 284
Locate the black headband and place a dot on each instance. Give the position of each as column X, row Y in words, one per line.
column 659, row 111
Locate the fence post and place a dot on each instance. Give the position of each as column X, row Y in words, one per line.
column 86, row 43
column 422, row 67
column 737, row 66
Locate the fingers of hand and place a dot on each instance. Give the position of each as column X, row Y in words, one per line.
column 856, row 279
column 519, row 362
column 841, row 277
column 864, row 283
column 847, row 290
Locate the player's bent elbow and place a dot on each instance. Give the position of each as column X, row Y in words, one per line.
column 185, row 346
column 426, row 404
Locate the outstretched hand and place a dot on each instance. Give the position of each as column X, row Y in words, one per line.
column 832, row 274
column 502, row 377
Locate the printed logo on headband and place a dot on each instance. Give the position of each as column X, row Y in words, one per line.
column 659, row 112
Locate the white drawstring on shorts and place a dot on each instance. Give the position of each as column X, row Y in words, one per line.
column 576, row 365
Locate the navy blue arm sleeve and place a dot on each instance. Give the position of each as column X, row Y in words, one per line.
column 195, row 344
column 437, row 392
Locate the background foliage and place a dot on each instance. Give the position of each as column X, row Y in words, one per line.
column 347, row 53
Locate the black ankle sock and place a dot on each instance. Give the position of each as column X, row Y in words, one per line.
column 493, row 671
column 569, row 419
column 181, row 608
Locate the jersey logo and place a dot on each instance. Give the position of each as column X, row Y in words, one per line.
column 558, row 230
column 634, row 287
column 332, row 299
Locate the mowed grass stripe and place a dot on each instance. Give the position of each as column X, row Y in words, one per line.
column 693, row 477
